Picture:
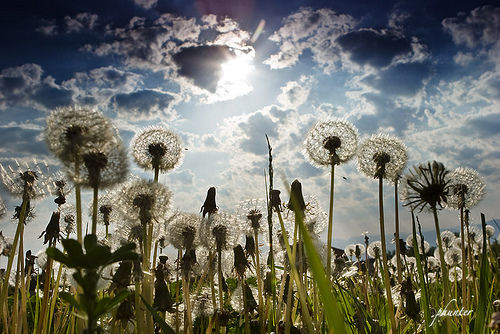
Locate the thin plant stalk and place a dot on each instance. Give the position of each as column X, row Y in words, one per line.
column 330, row 224
column 444, row 270
column 187, row 303
column 54, row 296
column 396, row 235
column 289, row 301
column 94, row 210
column 45, row 300
column 19, row 232
column 302, row 296
column 78, row 200
column 22, row 313
column 464, row 269
column 245, row 306
column 259, row 280
column 219, row 279
column 384, row 255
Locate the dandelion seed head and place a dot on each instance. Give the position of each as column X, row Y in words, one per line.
column 219, row 229
column 332, row 141
column 70, row 131
column 139, row 199
column 315, row 219
column 425, row 185
column 447, row 238
column 490, row 231
column 434, row 263
column 5, row 245
column 202, row 304
column 102, row 167
column 382, row 156
column 250, row 213
column 453, row 256
column 182, row 231
column 32, row 180
column 455, row 274
column 157, row 147
column 375, row 249
column 3, row 209
column 466, row 188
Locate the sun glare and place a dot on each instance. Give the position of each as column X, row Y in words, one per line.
column 234, row 79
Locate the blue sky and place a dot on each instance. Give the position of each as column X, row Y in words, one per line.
column 427, row 72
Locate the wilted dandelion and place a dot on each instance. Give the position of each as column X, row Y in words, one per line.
column 157, row 148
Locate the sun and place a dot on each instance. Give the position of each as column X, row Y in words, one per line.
column 234, row 80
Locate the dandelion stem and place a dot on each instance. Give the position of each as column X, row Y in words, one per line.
column 94, row 210
column 396, row 235
column 330, row 224
column 259, row 279
column 464, row 269
column 384, row 255
column 78, row 200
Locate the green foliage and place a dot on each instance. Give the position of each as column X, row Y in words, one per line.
column 88, row 268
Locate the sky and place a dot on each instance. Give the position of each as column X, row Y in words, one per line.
column 222, row 74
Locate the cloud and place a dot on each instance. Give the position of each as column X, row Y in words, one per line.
column 48, row 28
column 485, row 126
column 22, row 141
column 145, row 104
column 82, row 21
column 146, row 4
column 480, row 27
column 23, row 86
column 295, row 93
column 202, row 64
column 313, row 30
column 374, row 48
column 400, row 80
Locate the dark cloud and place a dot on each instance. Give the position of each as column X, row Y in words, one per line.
column 481, row 26
column 51, row 96
column 144, row 103
column 387, row 114
column 23, row 86
column 80, row 22
column 374, row 48
column 402, row 79
column 202, row 64
column 21, row 142
column 485, row 126
column 254, row 130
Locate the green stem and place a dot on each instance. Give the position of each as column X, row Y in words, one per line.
column 78, row 199
column 259, row 280
column 330, row 225
column 464, row 269
column 396, row 221
column 94, row 210
column 19, row 231
column 384, row 255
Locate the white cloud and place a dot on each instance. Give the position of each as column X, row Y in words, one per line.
column 146, row 4
column 295, row 93
column 81, row 21
column 314, row 30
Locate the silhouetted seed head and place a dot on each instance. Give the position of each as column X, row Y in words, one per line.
column 182, row 231
column 125, row 312
column 72, row 131
column 412, row 308
column 163, row 301
column 188, row 261
column 220, row 234
column 5, row 245
column 105, row 210
column 29, row 262
column 249, row 245
column 28, row 180
column 163, row 259
column 382, row 156
column 240, row 260
column 254, row 216
column 145, row 203
column 209, row 206
column 276, row 200
column 123, row 275
column 296, row 202
column 426, row 185
column 52, row 230
column 466, row 188
column 136, row 233
column 331, row 142
column 157, row 147
column 102, row 167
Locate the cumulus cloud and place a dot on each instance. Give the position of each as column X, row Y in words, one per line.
column 313, row 30
column 202, row 64
column 145, row 104
column 146, row 4
column 82, row 21
column 24, row 141
column 295, row 93
column 24, row 86
column 374, row 48
column 481, row 26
